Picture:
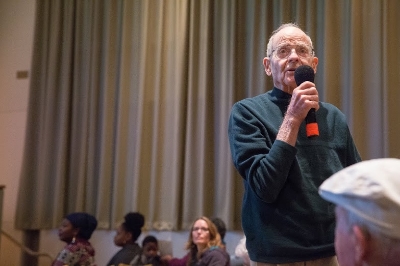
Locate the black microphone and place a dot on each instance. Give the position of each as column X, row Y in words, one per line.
column 301, row 74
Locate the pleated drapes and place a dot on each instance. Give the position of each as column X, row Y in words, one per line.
column 129, row 100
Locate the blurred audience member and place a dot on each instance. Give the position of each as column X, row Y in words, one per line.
column 126, row 237
column 221, row 227
column 241, row 252
column 76, row 230
column 204, row 246
column 150, row 253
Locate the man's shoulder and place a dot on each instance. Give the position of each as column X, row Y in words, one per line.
column 255, row 99
column 258, row 101
column 330, row 109
column 328, row 106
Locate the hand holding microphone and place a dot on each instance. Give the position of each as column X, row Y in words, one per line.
column 301, row 74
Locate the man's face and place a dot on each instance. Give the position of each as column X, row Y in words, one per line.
column 344, row 244
column 282, row 69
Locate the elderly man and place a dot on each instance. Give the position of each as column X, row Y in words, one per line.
column 367, row 198
column 285, row 221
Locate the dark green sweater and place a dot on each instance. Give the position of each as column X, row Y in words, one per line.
column 283, row 217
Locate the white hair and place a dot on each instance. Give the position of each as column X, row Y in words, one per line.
column 385, row 243
column 286, row 25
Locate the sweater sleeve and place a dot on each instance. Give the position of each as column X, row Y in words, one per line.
column 260, row 159
column 353, row 155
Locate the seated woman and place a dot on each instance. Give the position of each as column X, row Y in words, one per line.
column 127, row 234
column 204, row 246
column 76, row 230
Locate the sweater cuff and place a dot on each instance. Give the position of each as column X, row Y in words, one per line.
column 281, row 149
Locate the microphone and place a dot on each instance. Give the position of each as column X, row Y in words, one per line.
column 301, row 74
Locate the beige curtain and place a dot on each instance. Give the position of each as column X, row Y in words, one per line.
column 129, row 100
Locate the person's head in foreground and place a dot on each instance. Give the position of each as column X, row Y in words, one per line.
column 77, row 225
column 367, row 198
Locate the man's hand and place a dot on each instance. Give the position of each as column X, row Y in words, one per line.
column 304, row 97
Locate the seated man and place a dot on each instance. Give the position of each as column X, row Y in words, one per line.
column 367, row 198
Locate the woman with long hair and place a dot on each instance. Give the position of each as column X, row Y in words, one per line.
column 205, row 246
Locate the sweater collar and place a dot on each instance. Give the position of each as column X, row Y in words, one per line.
column 280, row 97
column 280, row 94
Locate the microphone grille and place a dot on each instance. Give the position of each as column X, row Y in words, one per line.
column 304, row 73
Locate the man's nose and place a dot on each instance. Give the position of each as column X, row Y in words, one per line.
column 293, row 55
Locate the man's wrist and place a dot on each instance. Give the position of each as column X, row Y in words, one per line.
column 288, row 130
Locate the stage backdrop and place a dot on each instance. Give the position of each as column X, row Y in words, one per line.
column 129, row 100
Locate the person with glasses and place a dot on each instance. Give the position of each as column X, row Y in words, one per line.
column 204, row 246
column 284, row 219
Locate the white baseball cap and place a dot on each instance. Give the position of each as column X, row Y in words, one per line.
column 371, row 190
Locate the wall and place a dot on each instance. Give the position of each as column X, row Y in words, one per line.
column 16, row 41
column 16, row 44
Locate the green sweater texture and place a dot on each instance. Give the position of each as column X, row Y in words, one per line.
column 283, row 217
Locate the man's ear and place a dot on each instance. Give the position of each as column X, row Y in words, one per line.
column 361, row 242
column 314, row 64
column 267, row 66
